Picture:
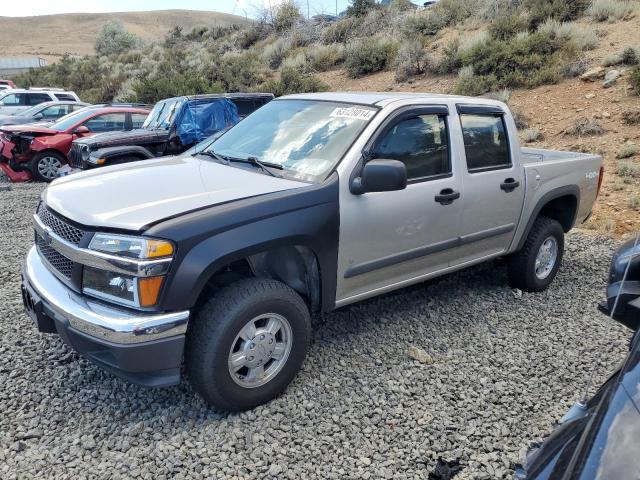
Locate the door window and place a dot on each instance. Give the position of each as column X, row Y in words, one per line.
column 107, row 122
column 13, row 99
column 485, row 142
column 420, row 142
column 55, row 111
column 37, row 98
column 137, row 119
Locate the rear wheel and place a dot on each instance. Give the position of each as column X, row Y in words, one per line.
column 533, row 268
column 45, row 166
column 247, row 343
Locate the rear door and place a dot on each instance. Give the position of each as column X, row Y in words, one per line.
column 493, row 183
column 13, row 103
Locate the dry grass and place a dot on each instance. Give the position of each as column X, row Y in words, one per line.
column 51, row 36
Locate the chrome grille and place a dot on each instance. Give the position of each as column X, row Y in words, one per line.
column 57, row 261
column 75, row 156
column 60, row 227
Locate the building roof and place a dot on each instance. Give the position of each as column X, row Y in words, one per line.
column 21, row 62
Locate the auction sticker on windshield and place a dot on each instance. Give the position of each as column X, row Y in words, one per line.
column 353, row 112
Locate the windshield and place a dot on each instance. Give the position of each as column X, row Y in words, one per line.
column 306, row 137
column 69, row 120
column 30, row 112
column 162, row 114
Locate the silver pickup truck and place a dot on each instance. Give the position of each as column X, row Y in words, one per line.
column 313, row 202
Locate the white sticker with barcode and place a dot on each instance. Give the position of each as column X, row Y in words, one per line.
column 353, row 112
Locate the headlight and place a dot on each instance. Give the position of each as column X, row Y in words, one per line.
column 124, row 289
column 132, row 247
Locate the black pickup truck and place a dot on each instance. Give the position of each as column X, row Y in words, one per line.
column 173, row 126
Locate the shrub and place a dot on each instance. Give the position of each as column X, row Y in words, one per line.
column 630, row 56
column 634, row 202
column 401, row 5
column 412, row 60
column 507, row 26
column 631, row 117
column 236, row 71
column 634, row 80
column 627, row 151
column 369, row 55
column 469, row 83
column 292, row 81
column 572, row 69
column 611, row 60
column 113, row 39
column 528, row 60
column 611, row 10
column 326, row 57
column 298, row 62
column 359, row 8
column 341, row 31
column 585, row 127
column 531, row 135
column 561, row 10
column 274, row 53
column 455, row 11
column 450, row 61
column 627, row 170
column 287, row 14
column 570, row 32
column 503, row 96
column 423, row 23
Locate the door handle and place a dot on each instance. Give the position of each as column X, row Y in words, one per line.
column 447, row 196
column 509, row 185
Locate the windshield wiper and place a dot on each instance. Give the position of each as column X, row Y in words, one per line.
column 214, row 155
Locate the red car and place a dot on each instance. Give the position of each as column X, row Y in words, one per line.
column 38, row 150
column 7, row 84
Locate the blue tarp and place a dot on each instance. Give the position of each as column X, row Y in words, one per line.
column 200, row 119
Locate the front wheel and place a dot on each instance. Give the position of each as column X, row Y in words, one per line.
column 247, row 343
column 45, row 166
column 533, row 268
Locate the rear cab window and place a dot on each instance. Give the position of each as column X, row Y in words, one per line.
column 486, row 142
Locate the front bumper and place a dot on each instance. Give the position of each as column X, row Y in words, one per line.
column 144, row 348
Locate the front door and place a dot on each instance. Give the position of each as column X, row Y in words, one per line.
column 493, row 185
column 389, row 239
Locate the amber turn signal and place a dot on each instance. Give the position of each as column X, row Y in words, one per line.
column 158, row 248
column 149, row 290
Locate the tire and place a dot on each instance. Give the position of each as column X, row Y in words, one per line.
column 214, row 337
column 43, row 166
column 523, row 272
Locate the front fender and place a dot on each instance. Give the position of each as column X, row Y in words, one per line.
column 210, row 239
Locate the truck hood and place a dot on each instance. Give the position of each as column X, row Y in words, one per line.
column 134, row 195
column 36, row 129
column 14, row 120
column 133, row 137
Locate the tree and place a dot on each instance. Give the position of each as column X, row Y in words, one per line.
column 359, row 8
column 114, row 38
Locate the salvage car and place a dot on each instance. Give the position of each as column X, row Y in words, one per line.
column 311, row 203
column 39, row 151
column 173, row 126
column 17, row 100
column 44, row 112
column 599, row 438
column 6, row 84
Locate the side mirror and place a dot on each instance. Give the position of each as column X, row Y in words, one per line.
column 81, row 130
column 380, row 176
column 38, row 116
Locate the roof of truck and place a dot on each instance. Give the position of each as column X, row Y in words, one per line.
column 382, row 99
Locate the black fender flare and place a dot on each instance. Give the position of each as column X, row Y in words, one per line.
column 113, row 153
column 211, row 239
column 567, row 190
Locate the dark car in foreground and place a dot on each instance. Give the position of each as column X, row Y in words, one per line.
column 38, row 151
column 44, row 112
column 173, row 126
column 600, row 438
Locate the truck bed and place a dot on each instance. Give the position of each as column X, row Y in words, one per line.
column 537, row 155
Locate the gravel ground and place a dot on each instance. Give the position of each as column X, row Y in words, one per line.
column 501, row 368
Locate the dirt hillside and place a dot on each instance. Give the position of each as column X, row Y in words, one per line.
column 51, row 36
